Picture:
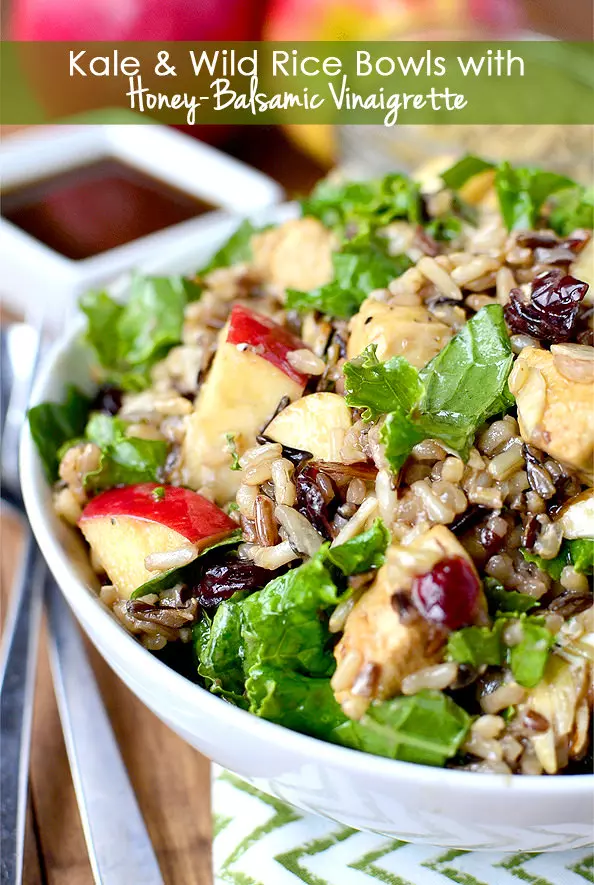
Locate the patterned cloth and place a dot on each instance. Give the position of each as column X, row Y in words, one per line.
column 258, row 840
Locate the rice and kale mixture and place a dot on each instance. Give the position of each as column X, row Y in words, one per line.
column 385, row 407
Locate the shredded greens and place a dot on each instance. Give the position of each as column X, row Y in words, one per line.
column 128, row 339
column 449, row 399
column 578, row 553
column 502, row 601
column 525, row 193
column 360, row 266
column 53, row 424
column 366, row 204
column 479, row 646
column 271, row 653
column 236, row 250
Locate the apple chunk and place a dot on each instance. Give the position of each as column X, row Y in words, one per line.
column 124, row 525
column 316, row 423
column 249, row 376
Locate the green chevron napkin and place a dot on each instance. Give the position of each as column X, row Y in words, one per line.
column 259, row 840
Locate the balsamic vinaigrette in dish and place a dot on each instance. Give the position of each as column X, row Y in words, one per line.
column 93, row 208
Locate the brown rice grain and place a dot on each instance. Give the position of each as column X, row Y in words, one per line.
column 246, row 500
column 260, row 454
column 284, row 487
column 507, row 695
column 437, row 677
column 300, row 532
column 452, row 469
column 162, row 562
column 439, row 277
column 507, row 462
column 356, row 491
column 306, row 362
column 273, row 557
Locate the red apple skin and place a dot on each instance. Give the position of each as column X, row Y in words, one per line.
column 136, row 20
column 179, row 509
column 271, row 341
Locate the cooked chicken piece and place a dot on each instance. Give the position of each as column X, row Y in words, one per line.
column 379, row 646
column 296, row 255
column 410, row 332
column 576, row 517
column 555, row 412
column 561, row 697
column 583, row 269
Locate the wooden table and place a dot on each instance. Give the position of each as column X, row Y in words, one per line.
column 171, row 780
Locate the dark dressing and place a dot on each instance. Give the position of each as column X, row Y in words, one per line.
column 90, row 209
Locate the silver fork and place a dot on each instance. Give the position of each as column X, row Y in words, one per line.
column 119, row 846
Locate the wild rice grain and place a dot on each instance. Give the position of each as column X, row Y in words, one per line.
column 266, row 529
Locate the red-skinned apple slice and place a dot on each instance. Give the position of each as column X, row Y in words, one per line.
column 124, row 525
column 249, row 376
column 266, row 338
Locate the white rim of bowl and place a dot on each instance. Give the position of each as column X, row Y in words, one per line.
column 190, row 692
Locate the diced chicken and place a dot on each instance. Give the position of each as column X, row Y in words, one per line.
column 379, row 647
column 560, row 698
column 296, row 255
column 583, row 269
column 576, row 517
column 554, row 412
column 410, row 332
column 317, row 423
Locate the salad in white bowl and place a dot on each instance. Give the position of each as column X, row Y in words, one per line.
column 340, row 478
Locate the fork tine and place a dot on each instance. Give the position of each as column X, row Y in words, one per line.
column 23, row 344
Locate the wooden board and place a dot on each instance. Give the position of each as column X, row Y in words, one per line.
column 171, row 780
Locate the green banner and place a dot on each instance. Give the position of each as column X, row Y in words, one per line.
column 388, row 83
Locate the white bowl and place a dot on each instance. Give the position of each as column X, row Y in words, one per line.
column 415, row 803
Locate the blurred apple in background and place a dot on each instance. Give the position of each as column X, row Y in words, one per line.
column 196, row 20
column 137, row 19
column 333, row 20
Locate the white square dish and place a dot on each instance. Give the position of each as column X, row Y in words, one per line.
column 35, row 275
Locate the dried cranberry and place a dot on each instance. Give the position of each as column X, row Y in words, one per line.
column 552, row 311
column 449, row 594
column 314, row 503
column 221, row 581
column 107, row 400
